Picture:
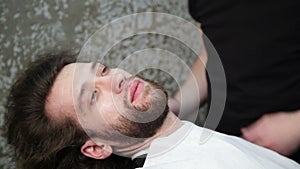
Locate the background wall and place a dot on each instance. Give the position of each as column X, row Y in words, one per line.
column 28, row 27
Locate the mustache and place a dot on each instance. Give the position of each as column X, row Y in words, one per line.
column 150, row 82
column 156, row 85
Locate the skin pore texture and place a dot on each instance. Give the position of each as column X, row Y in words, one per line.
column 120, row 112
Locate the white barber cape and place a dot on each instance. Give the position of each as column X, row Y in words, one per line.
column 193, row 147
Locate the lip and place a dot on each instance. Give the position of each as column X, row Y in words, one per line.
column 136, row 88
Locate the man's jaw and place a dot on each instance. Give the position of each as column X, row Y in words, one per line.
column 170, row 125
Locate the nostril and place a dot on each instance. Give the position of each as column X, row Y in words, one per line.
column 119, row 81
column 120, row 84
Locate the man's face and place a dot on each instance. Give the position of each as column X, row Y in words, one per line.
column 107, row 102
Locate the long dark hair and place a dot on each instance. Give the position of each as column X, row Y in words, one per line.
column 38, row 141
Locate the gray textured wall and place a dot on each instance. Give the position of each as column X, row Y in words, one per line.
column 30, row 26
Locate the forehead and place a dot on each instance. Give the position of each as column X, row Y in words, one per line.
column 60, row 102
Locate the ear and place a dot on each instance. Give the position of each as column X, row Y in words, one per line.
column 95, row 151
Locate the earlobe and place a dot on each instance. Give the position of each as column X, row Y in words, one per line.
column 95, row 151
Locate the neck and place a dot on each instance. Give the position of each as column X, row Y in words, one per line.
column 169, row 126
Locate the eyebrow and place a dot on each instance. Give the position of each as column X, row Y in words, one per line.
column 94, row 64
column 82, row 88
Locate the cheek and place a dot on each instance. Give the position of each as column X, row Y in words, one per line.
column 109, row 111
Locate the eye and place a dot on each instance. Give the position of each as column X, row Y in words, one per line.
column 94, row 97
column 102, row 71
column 105, row 71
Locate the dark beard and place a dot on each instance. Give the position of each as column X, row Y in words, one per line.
column 142, row 130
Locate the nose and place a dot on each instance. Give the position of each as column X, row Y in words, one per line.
column 118, row 82
column 114, row 81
